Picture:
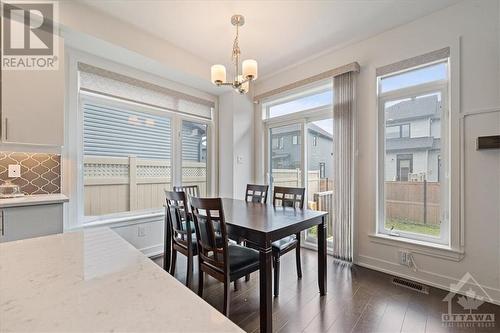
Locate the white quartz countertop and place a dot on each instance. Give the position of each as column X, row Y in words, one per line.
column 94, row 281
column 31, row 200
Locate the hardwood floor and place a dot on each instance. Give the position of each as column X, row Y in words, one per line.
column 358, row 300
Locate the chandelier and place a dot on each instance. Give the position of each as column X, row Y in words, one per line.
column 241, row 80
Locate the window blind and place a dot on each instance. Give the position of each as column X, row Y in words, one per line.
column 101, row 81
column 121, row 132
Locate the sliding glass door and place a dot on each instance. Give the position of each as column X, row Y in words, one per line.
column 319, row 176
column 298, row 160
column 285, row 156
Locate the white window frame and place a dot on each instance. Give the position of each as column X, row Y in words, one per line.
column 176, row 119
column 302, row 118
column 442, row 86
column 71, row 152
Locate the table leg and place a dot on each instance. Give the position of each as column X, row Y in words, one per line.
column 167, row 246
column 322, row 257
column 266, row 298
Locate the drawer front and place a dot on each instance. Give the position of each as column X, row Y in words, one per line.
column 31, row 221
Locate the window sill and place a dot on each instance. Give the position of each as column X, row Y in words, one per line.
column 420, row 247
column 117, row 220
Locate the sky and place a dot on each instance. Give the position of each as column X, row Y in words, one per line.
column 309, row 102
column 426, row 74
column 423, row 75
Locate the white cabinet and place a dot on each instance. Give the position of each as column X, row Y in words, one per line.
column 33, row 105
column 30, row 221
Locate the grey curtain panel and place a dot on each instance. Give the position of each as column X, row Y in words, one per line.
column 343, row 175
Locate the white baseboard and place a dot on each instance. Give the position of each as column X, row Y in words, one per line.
column 152, row 251
column 429, row 278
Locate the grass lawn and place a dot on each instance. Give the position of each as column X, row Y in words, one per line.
column 405, row 225
column 401, row 225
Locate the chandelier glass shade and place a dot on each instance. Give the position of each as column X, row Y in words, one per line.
column 243, row 74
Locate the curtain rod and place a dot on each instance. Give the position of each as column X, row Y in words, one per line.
column 352, row 67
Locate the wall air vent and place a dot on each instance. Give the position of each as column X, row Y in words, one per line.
column 410, row 285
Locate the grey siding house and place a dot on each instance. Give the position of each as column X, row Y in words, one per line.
column 286, row 150
column 413, row 135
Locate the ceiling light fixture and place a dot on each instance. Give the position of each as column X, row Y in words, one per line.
column 241, row 81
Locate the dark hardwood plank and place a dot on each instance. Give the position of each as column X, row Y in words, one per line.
column 358, row 300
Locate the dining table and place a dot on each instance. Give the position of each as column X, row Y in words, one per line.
column 262, row 224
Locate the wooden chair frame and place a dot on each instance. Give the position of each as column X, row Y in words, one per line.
column 178, row 220
column 213, row 248
column 287, row 197
column 256, row 193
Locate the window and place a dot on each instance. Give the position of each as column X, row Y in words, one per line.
column 275, row 143
column 413, row 143
column 404, row 167
column 194, row 155
column 126, row 158
column 317, row 96
column 397, row 131
column 315, row 100
column 299, row 160
column 134, row 140
column 322, row 170
column 422, row 75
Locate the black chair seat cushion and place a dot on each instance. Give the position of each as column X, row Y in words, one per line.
column 242, row 260
column 284, row 243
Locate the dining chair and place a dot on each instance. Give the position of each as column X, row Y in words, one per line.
column 191, row 190
column 182, row 233
column 287, row 197
column 222, row 260
column 256, row 193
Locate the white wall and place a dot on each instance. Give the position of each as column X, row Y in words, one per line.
column 236, row 142
column 81, row 21
column 471, row 30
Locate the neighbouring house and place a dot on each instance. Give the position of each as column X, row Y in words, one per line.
column 286, row 149
column 413, row 134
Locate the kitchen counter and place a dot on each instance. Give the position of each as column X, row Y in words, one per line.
column 35, row 199
column 92, row 281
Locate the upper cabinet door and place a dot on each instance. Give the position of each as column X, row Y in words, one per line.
column 33, row 105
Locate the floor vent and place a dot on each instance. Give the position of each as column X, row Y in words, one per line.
column 410, row 285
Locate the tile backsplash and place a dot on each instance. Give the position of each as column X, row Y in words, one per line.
column 40, row 172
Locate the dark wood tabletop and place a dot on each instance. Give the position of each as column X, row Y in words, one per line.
column 266, row 221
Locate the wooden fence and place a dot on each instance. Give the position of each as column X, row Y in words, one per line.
column 414, row 202
column 292, row 178
column 120, row 184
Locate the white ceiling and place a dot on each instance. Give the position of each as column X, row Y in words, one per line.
column 276, row 33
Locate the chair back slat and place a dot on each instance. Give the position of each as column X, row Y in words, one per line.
column 190, row 190
column 288, row 196
column 211, row 232
column 256, row 193
column 178, row 218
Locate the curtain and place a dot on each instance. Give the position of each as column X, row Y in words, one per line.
column 343, row 175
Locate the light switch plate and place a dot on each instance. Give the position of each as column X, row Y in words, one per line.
column 239, row 159
column 14, row 170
